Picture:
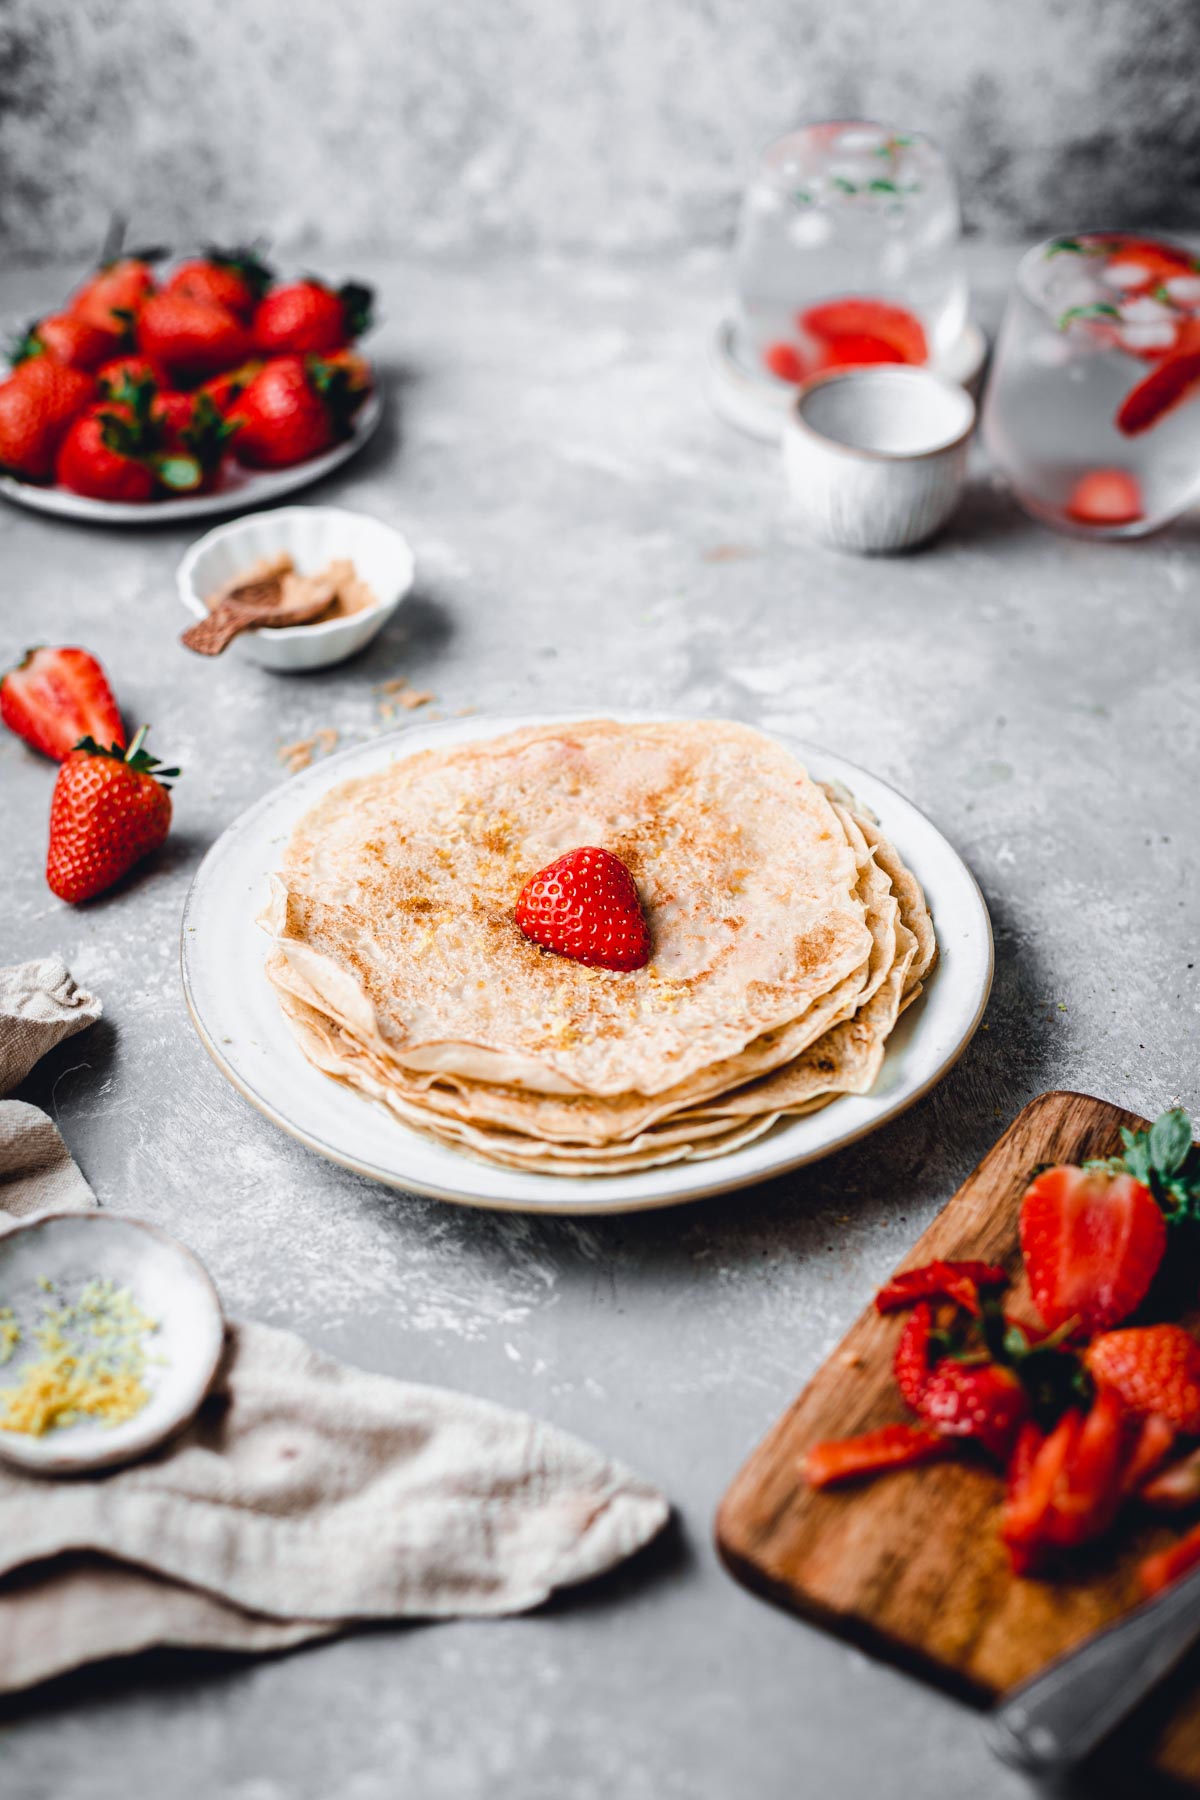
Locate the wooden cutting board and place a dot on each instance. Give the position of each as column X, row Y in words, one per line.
column 910, row 1565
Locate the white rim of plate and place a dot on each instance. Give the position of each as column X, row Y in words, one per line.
column 222, row 904
column 258, row 487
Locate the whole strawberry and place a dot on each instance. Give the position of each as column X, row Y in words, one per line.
column 92, row 462
column 236, row 279
column 113, row 296
column 294, row 408
column 308, row 316
column 191, row 339
column 57, row 695
column 585, row 906
column 192, row 426
column 112, row 374
column 122, row 449
column 37, row 403
column 110, row 809
column 69, row 339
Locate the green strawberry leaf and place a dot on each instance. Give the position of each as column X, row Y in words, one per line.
column 358, row 304
column 181, row 474
column 1170, row 1141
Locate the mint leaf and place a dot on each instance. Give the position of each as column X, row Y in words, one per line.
column 1170, row 1140
column 1095, row 309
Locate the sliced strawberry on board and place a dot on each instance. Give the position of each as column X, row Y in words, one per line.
column 785, row 363
column 1092, row 1240
column 960, row 1281
column 982, row 1401
column 891, row 1447
column 57, row 695
column 1153, row 1444
column 1160, row 1571
column 875, row 322
column 1065, row 1489
column 585, row 906
column 1175, row 1488
column 1167, row 386
column 911, row 1364
column 1105, row 497
column 1154, row 1369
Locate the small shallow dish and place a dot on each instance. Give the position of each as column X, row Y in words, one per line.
column 876, row 457
column 313, row 536
column 240, row 488
column 167, row 1282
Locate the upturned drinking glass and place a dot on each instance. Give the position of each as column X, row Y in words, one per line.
column 848, row 252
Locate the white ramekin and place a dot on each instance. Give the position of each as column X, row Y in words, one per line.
column 313, row 536
column 876, row 457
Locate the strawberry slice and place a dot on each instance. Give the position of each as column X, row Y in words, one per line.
column 959, row 1281
column 56, row 696
column 891, row 1447
column 1175, row 1488
column 982, row 1401
column 851, row 349
column 1092, row 1240
column 1151, row 1448
column 1066, row 1489
column 1158, row 1572
column 1154, row 1368
column 785, row 363
column 1105, row 497
column 874, row 323
column 585, row 906
column 911, row 1365
column 1168, row 385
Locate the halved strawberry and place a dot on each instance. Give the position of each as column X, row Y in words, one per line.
column 891, row 1447
column 1167, row 386
column 1154, row 1368
column 785, row 363
column 1105, row 497
column 875, row 323
column 585, row 906
column 57, row 695
column 1092, row 1240
column 959, row 1281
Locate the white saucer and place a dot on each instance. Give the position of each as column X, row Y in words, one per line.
column 241, row 1026
column 166, row 1281
column 759, row 405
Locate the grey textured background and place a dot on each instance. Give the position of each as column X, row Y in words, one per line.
column 402, row 124
column 573, row 506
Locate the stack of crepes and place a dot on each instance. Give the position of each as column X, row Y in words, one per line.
column 787, row 937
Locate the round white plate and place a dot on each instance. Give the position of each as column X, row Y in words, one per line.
column 240, row 1025
column 240, row 491
column 169, row 1284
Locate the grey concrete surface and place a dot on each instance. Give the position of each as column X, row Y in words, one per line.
column 573, row 506
column 403, row 123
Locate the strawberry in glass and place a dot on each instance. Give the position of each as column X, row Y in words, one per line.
column 1089, row 410
column 847, row 253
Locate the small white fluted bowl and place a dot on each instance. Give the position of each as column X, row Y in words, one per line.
column 876, row 457
column 313, row 536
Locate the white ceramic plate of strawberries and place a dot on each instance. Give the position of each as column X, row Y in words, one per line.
column 240, row 490
column 237, row 1015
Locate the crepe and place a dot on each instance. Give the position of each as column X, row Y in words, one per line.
column 787, row 935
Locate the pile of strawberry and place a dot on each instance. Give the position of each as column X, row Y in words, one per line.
column 142, row 387
column 1082, row 1410
column 111, row 804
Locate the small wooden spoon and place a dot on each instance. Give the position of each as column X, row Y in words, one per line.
column 259, row 603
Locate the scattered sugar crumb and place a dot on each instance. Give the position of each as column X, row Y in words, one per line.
column 401, row 691
column 719, row 553
column 464, row 712
column 299, row 755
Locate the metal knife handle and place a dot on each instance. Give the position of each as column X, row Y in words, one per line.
column 1056, row 1720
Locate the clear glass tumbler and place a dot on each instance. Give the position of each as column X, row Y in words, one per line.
column 1087, row 407
column 848, row 252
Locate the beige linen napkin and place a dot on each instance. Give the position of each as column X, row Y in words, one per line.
column 40, row 1005
column 305, row 1496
